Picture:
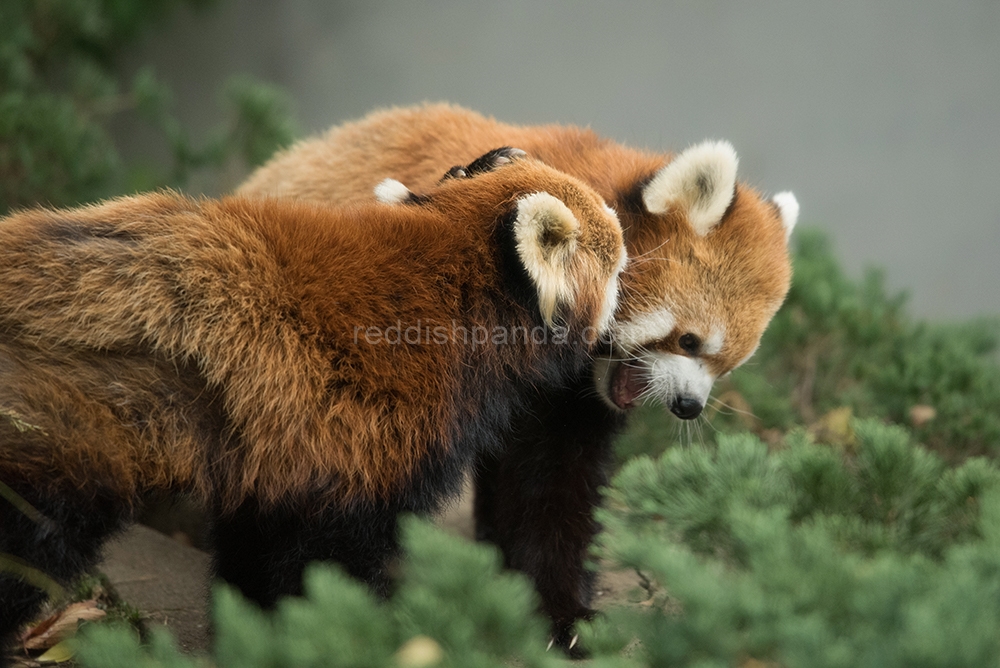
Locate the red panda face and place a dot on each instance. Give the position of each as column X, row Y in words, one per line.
column 568, row 241
column 714, row 255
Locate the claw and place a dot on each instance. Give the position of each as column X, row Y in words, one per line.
column 504, row 156
column 572, row 643
column 551, row 641
column 494, row 159
column 507, row 155
column 456, row 172
column 485, row 163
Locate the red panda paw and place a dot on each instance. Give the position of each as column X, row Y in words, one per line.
column 565, row 637
column 391, row 191
column 485, row 163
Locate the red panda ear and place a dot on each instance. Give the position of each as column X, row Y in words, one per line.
column 701, row 181
column 391, row 191
column 789, row 208
column 545, row 235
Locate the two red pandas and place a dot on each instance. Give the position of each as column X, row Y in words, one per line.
column 708, row 269
column 243, row 350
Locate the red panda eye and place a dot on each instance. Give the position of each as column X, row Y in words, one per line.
column 689, row 343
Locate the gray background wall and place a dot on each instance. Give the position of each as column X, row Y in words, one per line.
column 883, row 117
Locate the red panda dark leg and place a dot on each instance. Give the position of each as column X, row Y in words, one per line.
column 62, row 545
column 263, row 551
column 536, row 500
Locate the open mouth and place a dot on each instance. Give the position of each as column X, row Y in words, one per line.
column 627, row 384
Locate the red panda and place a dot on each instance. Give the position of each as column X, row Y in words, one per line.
column 708, row 269
column 308, row 371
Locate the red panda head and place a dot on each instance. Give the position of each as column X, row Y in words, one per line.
column 709, row 269
column 566, row 239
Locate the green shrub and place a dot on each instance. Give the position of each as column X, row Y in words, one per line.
column 59, row 92
column 811, row 555
column 453, row 607
column 808, row 556
column 839, row 343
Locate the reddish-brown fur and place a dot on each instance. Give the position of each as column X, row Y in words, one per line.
column 738, row 275
column 535, row 499
column 162, row 342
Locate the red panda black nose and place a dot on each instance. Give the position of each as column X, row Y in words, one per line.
column 686, row 408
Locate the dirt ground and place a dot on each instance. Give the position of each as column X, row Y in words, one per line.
column 168, row 580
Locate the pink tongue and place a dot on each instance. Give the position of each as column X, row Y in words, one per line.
column 626, row 386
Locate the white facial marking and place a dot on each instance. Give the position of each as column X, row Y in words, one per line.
column 644, row 328
column 391, row 191
column 674, row 376
column 789, row 207
column 713, row 344
column 611, row 295
column 669, row 378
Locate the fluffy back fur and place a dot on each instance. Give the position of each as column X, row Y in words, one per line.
column 285, row 351
column 708, row 255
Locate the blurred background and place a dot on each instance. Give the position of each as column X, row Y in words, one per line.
column 883, row 118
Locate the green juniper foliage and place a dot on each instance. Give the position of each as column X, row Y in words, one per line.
column 59, row 92
column 811, row 555
column 808, row 556
column 454, row 607
column 841, row 343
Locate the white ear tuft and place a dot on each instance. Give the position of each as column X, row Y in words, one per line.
column 392, row 191
column 789, row 207
column 701, row 181
column 545, row 233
